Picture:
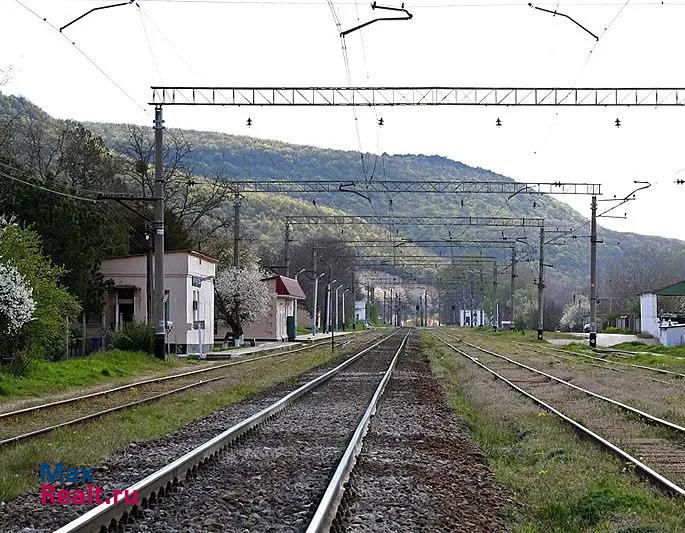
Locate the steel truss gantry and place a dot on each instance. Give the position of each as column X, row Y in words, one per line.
column 435, row 220
column 428, row 186
column 408, row 220
column 417, row 96
column 380, row 96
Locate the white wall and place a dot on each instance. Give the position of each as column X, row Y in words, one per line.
column 649, row 322
column 179, row 269
column 360, row 310
column 672, row 335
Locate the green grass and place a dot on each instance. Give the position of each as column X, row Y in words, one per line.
column 49, row 377
column 673, row 351
column 93, row 442
column 565, row 484
column 663, row 357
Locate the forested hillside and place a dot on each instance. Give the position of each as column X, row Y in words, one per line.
column 239, row 157
column 226, row 157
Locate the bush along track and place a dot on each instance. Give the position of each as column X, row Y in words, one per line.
column 564, row 482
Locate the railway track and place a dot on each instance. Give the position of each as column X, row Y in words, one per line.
column 670, row 373
column 547, row 349
column 45, row 418
column 655, row 446
column 266, row 473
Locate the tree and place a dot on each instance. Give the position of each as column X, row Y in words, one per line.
column 575, row 313
column 16, row 302
column 46, row 334
column 76, row 234
column 195, row 205
column 241, row 297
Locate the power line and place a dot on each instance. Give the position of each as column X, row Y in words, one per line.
column 45, row 189
column 86, row 56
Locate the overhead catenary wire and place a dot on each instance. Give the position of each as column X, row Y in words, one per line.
column 48, row 190
column 153, row 57
column 85, row 56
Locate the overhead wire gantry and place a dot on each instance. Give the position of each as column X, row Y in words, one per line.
column 337, row 96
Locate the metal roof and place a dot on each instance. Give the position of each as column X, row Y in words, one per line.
column 677, row 289
column 288, row 287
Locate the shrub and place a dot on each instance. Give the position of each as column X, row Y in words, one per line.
column 136, row 336
column 45, row 335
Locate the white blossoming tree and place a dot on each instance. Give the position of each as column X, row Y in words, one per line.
column 241, row 297
column 16, row 301
column 575, row 313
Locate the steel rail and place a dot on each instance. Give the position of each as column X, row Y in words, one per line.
column 328, row 506
column 625, row 407
column 567, row 357
column 677, row 375
column 49, row 429
column 33, row 409
column 642, row 467
column 158, row 483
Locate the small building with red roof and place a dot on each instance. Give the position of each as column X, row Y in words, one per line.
column 285, row 293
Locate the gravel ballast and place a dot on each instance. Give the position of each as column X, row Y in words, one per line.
column 418, row 470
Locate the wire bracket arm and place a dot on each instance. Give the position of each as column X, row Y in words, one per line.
column 407, row 16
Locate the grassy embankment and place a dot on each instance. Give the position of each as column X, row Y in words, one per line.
column 93, row 442
column 46, row 377
column 564, row 483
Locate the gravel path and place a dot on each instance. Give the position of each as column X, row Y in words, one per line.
column 418, row 471
column 273, row 481
column 134, row 462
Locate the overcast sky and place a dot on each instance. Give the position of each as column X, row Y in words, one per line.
column 448, row 42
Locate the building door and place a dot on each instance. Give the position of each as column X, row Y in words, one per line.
column 124, row 308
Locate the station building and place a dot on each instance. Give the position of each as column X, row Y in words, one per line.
column 188, row 298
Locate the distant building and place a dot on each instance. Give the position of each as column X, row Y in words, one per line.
column 668, row 329
column 285, row 293
column 188, row 299
column 360, row 310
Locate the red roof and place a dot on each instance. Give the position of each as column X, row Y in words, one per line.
column 287, row 287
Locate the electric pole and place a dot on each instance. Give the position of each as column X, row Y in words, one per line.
column 287, row 248
column 593, row 274
column 495, row 299
column 158, row 226
column 425, row 308
column 236, row 231
column 541, row 286
column 513, row 283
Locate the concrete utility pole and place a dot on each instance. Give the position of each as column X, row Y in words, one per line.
column 541, row 287
column 593, row 274
column 425, row 308
column 287, row 249
column 343, row 307
column 316, row 295
column 385, row 308
column 337, row 321
column 149, row 275
column 513, row 283
column 495, row 299
column 158, row 227
column 236, row 231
